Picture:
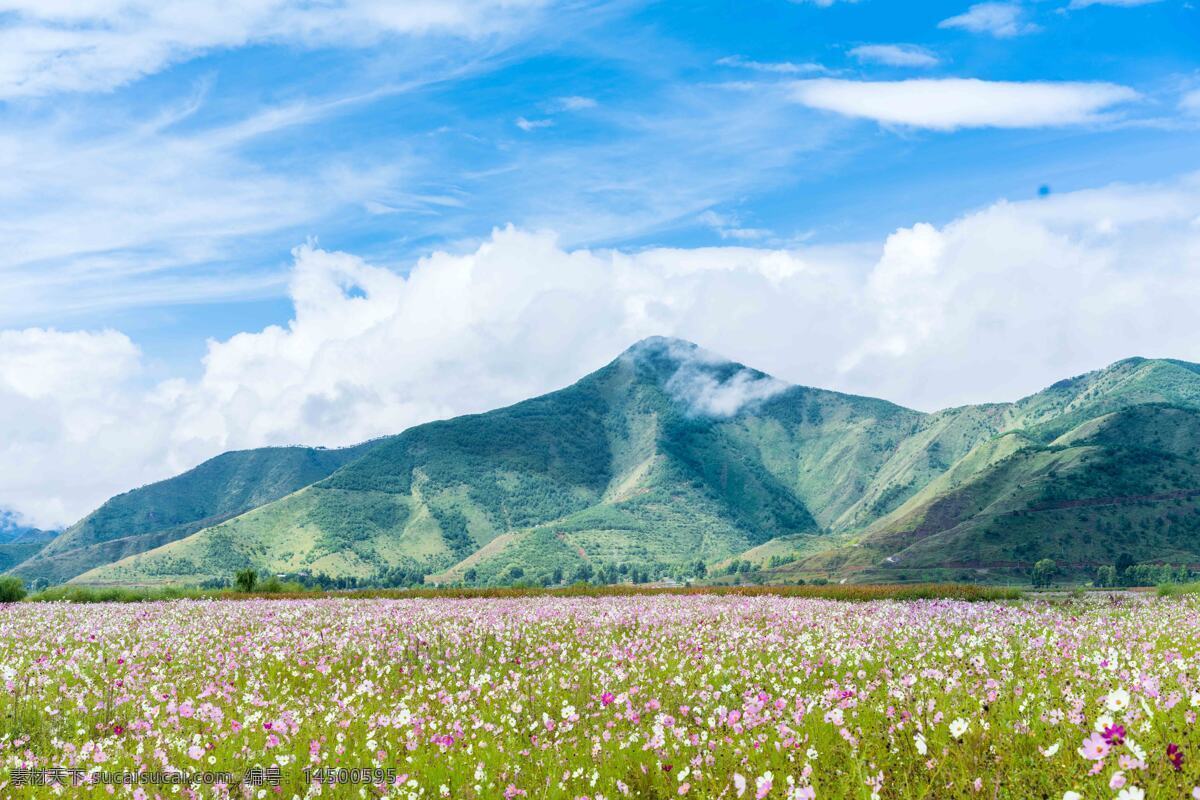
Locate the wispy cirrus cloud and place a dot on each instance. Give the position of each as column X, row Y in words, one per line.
column 780, row 67
column 529, row 125
column 1122, row 3
column 1002, row 20
column 895, row 55
column 48, row 47
column 951, row 103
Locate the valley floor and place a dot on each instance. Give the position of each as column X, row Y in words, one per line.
column 639, row 696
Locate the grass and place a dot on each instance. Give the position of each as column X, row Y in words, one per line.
column 849, row 592
column 1178, row 589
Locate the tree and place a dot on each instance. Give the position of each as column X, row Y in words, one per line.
column 1124, row 562
column 471, row 575
column 12, row 589
column 699, row 569
column 1106, row 575
column 1044, row 571
column 246, row 579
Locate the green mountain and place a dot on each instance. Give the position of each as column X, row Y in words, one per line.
column 163, row 512
column 19, row 542
column 671, row 456
column 1089, row 470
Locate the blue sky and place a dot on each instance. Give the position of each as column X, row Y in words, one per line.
column 162, row 162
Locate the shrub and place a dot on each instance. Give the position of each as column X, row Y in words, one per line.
column 12, row 589
column 246, row 579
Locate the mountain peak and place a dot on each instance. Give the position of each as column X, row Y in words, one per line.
column 703, row 382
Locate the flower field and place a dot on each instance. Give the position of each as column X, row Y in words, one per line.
column 650, row 696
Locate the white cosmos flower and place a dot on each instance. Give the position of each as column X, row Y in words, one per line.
column 919, row 741
column 958, row 727
column 1118, row 700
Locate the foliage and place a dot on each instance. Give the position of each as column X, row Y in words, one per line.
column 246, row 579
column 12, row 589
column 1044, row 572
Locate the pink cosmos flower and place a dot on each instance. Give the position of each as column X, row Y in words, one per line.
column 764, row 783
column 1095, row 747
column 607, row 698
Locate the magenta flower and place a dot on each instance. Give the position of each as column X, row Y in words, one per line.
column 1175, row 756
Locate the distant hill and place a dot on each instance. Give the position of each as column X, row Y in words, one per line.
column 153, row 515
column 19, row 542
column 672, row 460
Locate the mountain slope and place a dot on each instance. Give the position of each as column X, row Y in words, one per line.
column 1127, row 482
column 645, row 436
column 162, row 512
column 671, row 455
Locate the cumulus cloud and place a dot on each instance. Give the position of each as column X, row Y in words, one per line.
column 48, row 47
column 952, row 103
column 991, row 306
column 895, row 55
column 1002, row 20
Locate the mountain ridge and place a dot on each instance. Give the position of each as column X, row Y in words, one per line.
column 670, row 456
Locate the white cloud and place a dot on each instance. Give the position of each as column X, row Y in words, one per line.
column 1002, row 20
column 51, row 46
column 895, row 55
column 950, row 103
column 1190, row 102
column 993, row 305
column 575, row 103
column 781, row 67
column 143, row 211
column 532, row 124
column 1122, row 3
column 729, row 226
